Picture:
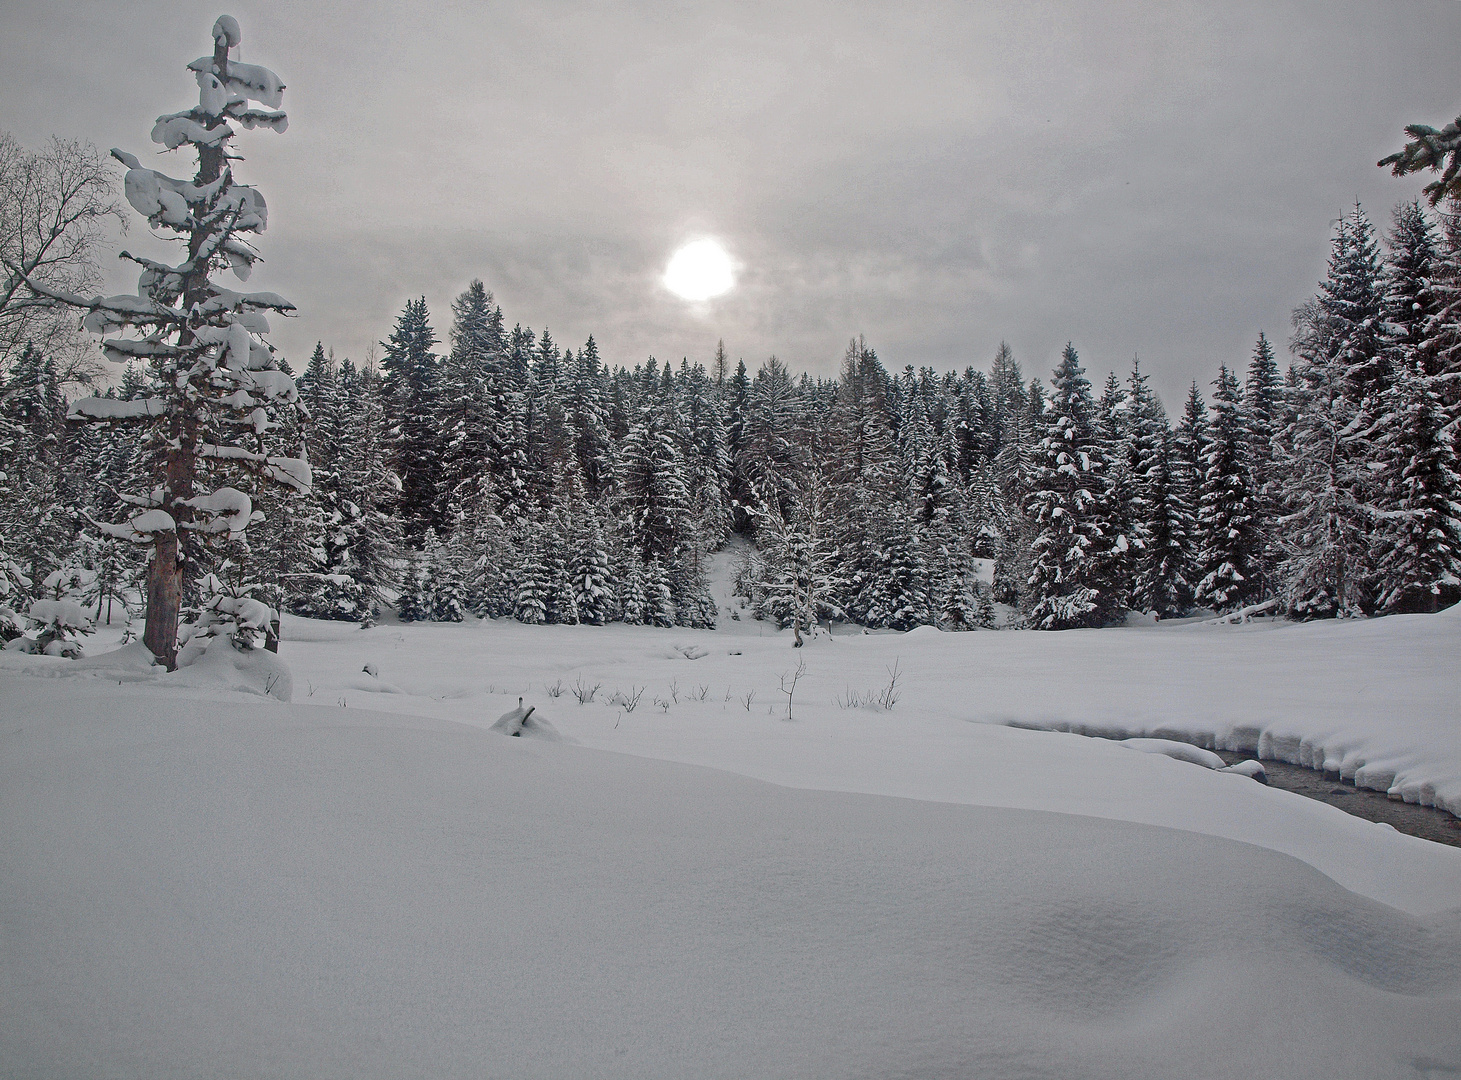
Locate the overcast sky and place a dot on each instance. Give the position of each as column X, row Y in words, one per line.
column 1139, row 178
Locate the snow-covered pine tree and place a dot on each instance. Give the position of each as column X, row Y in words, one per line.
column 470, row 401
column 652, row 496
column 801, row 582
column 1341, row 382
column 411, row 378
column 369, row 533
column 1191, row 438
column 1162, row 517
column 707, row 453
column 590, row 574
column 1070, row 580
column 1410, row 302
column 1416, row 501
column 1014, row 470
column 534, row 578
column 448, row 590
column 1263, row 419
column 1114, row 432
column 588, row 422
column 1417, row 546
column 414, row 601
column 214, row 385
column 1229, row 541
column 895, row 591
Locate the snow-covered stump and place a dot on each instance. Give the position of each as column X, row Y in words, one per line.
column 523, row 723
column 216, row 386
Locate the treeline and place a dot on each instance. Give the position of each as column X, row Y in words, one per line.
column 503, row 475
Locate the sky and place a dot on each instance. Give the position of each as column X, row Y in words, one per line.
column 1153, row 179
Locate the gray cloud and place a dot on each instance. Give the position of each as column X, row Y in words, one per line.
column 1136, row 177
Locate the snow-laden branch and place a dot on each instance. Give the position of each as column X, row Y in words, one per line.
column 175, row 129
column 291, row 472
column 100, row 408
column 246, row 82
column 225, row 510
column 141, row 529
column 125, row 350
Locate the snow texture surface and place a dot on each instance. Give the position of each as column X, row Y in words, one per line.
column 310, row 890
column 200, row 879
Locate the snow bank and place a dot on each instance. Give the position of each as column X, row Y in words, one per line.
column 330, row 892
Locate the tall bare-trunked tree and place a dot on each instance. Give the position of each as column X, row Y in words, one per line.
column 216, row 387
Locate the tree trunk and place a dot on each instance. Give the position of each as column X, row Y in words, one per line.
column 164, row 600
column 180, row 460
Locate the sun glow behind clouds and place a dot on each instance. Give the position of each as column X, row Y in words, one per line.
column 700, row 270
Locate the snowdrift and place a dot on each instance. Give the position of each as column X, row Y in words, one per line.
column 226, row 888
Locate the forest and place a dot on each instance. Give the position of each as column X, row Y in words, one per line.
column 499, row 474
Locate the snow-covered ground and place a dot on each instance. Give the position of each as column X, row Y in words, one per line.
column 196, row 880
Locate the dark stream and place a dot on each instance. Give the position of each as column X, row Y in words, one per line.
column 1427, row 822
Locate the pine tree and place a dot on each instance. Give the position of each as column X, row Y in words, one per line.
column 1226, row 516
column 652, row 497
column 214, row 385
column 1418, row 546
column 448, row 590
column 590, row 573
column 1263, row 420
column 1070, row 581
column 1342, row 381
column 534, row 579
column 588, row 422
column 410, row 372
column 1161, row 517
column 1416, row 501
column 369, row 532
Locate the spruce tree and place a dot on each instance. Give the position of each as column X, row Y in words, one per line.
column 1418, row 544
column 1263, row 421
column 1226, row 518
column 1070, row 580
column 410, row 376
column 214, row 384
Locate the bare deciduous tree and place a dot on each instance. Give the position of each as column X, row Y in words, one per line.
column 55, row 206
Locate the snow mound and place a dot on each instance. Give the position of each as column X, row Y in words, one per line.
column 1179, row 751
column 1253, row 769
column 320, row 880
column 524, row 722
column 223, row 667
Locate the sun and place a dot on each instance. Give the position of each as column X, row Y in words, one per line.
column 700, row 270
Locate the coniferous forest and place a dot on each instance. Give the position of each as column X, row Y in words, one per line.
column 492, row 471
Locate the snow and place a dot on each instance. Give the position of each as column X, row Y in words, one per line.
column 202, row 884
column 248, row 81
column 101, row 408
column 203, row 878
column 228, row 510
column 64, row 613
column 521, row 722
column 293, row 472
column 176, row 129
column 141, row 528
column 226, row 32
column 1178, row 751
